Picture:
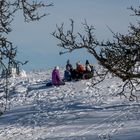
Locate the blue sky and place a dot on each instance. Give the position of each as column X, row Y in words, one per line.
column 36, row 44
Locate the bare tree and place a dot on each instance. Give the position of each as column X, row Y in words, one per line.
column 8, row 8
column 121, row 57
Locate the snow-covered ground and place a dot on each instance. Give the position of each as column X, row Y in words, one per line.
column 75, row 111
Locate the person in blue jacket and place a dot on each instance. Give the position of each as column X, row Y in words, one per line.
column 67, row 74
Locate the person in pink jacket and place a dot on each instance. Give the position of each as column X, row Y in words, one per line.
column 56, row 80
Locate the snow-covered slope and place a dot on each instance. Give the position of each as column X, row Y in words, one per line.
column 75, row 111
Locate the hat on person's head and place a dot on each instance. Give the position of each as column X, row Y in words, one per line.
column 87, row 62
column 68, row 61
column 57, row 67
column 78, row 63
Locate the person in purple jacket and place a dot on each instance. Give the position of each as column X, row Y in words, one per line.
column 56, row 80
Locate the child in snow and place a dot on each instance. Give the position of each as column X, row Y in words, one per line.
column 80, row 69
column 67, row 74
column 88, row 66
column 88, row 70
column 69, row 65
column 56, row 80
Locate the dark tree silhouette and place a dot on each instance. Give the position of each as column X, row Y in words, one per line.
column 121, row 57
column 8, row 8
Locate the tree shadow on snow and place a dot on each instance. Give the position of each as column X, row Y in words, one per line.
column 53, row 114
column 39, row 86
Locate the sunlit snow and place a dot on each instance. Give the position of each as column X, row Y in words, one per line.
column 75, row 111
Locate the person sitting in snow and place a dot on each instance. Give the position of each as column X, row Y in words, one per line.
column 88, row 70
column 56, row 80
column 72, row 71
column 80, row 70
column 69, row 65
column 87, row 66
column 67, row 74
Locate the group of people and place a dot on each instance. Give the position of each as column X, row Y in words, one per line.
column 80, row 72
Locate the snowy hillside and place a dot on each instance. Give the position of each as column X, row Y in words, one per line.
column 75, row 111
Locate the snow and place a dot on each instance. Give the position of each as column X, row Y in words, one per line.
column 75, row 111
